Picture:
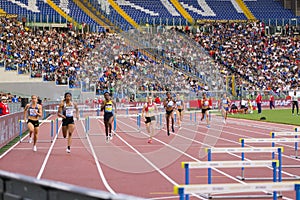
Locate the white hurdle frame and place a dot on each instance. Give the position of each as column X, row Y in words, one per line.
column 40, row 121
column 244, row 150
column 273, row 141
column 182, row 190
column 229, row 164
column 295, row 134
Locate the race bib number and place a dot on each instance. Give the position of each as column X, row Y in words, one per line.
column 108, row 108
column 32, row 112
column 170, row 103
column 69, row 112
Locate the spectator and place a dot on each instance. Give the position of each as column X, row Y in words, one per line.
column 132, row 98
column 157, row 100
column 272, row 102
column 15, row 99
column 295, row 103
column 4, row 109
column 244, row 106
column 258, row 101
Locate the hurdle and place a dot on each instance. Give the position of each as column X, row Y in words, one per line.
column 40, row 121
column 81, row 111
column 57, row 126
column 244, row 150
column 295, row 134
column 182, row 190
column 228, row 164
column 138, row 122
column 273, row 141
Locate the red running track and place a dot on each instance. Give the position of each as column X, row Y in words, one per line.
column 129, row 165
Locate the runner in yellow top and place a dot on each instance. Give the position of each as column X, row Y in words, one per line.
column 148, row 113
column 109, row 107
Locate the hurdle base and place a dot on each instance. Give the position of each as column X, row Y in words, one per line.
column 207, row 196
column 290, row 166
column 72, row 137
column 296, row 157
column 266, row 178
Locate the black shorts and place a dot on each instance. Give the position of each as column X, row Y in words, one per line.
column 149, row 119
column 243, row 107
column 67, row 121
column 180, row 110
column 203, row 111
column 169, row 112
column 107, row 116
column 35, row 123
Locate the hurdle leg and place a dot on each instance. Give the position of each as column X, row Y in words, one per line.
column 297, row 188
column 20, row 133
column 181, row 193
column 52, row 129
column 187, row 178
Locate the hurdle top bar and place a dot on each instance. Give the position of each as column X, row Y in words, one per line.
column 44, row 120
column 235, row 187
column 229, row 164
column 266, row 140
column 243, row 149
column 284, row 133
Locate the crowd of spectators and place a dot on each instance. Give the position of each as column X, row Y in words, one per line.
column 105, row 61
column 259, row 61
column 100, row 59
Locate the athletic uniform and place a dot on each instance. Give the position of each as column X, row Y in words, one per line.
column 31, row 113
column 108, row 110
column 179, row 104
column 149, row 109
column 225, row 104
column 68, row 111
column 205, row 105
column 170, row 104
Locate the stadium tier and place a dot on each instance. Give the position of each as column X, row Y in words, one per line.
column 152, row 12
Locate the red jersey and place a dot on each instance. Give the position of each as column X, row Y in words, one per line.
column 4, row 109
column 258, row 98
column 272, row 98
column 157, row 100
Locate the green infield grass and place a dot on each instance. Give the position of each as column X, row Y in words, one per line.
column 282, row 116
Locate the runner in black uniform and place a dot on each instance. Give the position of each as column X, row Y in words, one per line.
column 66, row 112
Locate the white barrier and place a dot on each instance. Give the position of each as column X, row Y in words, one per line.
column 182, row 190
column 295, row 134
column 244, row 150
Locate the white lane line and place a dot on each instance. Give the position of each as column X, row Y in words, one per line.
column 221, row 172
column 47, row 156
column 100, row 171
column 12, row 147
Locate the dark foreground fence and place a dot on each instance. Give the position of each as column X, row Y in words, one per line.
column 18, row 187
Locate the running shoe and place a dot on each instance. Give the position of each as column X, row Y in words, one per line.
column 107, row 139
column 150, row 141
column 30, row 140
column 208, row 126
column 224, row 121
column 173, row 129
column 110, row 136
column 168, row 133
column 68, row 150
column 34, row 148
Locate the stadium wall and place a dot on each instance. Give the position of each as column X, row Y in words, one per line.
column 17, row 186
column 47, row 90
